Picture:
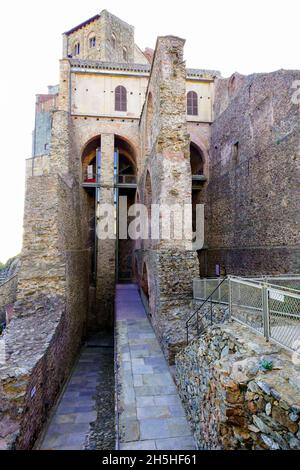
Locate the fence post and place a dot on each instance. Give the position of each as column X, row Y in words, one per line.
column 229, row 297
column 266, row 317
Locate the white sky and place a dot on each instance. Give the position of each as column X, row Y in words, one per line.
column 227, row 35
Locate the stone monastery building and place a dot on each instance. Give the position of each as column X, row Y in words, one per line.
column 123, row 122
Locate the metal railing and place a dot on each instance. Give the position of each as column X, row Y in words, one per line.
column 119, row 179
column 126, row 179
column 271, row 309
column 209, row 311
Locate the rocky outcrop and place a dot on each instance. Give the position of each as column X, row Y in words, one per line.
column 239, row 391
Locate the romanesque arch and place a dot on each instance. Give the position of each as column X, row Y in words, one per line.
column 196, row 159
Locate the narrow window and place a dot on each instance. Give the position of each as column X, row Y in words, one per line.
column 192, row 103
column 113, row 41
column 125, row 54
column 120, row 98
column 77, row 48
column 92, row 42
column 236, row 153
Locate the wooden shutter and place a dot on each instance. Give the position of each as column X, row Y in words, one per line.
column 120, row 99
column 192, row 103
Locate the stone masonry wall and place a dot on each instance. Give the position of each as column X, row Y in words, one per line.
column 102, row 28
column 232, row 402
column 8, row 292
column 165, row 179
column 253, row 193
column 37, row 352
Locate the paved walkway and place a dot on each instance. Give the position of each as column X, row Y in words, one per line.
column 151, row 415
column 83, row 417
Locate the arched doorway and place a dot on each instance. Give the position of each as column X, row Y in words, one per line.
column 124, row 164
column 198, row 178
column 144, row 289
column 88, row 162
column 125, row 176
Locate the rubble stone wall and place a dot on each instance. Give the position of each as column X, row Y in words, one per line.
column 231, row 401
column 8, row 293
column 37, row 353
column 253, row 193
column 165, row 179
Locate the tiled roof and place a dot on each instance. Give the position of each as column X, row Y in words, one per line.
column 81, row 25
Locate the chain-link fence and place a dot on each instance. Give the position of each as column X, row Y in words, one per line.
column 246, row 303
column 270, row 305
column 203, row 288
column 284, row 317
column 270, row 310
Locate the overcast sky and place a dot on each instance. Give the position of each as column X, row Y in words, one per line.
column 227, row 35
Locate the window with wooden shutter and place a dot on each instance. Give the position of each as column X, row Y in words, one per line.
column 192, row 103
column 120, row 98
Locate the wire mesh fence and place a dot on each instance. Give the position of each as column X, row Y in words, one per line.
column 284, row 317
column 204, row 287
column 246, row 303
column 269, row 305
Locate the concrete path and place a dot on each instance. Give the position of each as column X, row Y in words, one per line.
column 151, row 415
column 78, row 419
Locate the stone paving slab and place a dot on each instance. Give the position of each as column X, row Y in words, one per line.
column 74, row 419
column 151, row 415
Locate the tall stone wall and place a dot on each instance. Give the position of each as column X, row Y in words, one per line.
column 37, row 353
column 165, row 179
column 50, row 314
column 253, row 194
column 8, row 294
column 102, row 27
column 231, row 400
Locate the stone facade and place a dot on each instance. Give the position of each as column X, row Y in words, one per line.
column 253, row 197
column 8, row 295
column 238, row 154
column 231, row 400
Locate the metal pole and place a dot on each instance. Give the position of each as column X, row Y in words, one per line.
column 265, row 305
column 97, row 204
column 229, row 297
column 116, row 181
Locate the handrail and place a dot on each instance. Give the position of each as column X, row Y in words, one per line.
column 199, row 308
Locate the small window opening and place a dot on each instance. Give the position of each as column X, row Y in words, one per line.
column 77, row 49
column 92, row 42
column 236, row 153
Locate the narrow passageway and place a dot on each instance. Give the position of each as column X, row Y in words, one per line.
column 84, row 415
column 150, row 413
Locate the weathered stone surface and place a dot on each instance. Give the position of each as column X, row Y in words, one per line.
column 252, row 228
column 228, row 398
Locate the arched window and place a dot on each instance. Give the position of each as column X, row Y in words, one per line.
column 125, row 54
column 77, row 48
column 113, row 40
column 92, row 42
column 192, row 103
column 120, row 98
